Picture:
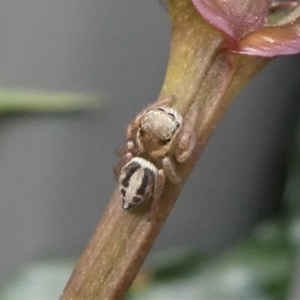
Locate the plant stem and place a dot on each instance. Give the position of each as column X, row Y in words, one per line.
column 199, row 74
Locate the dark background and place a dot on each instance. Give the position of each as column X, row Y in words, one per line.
column 56, row 170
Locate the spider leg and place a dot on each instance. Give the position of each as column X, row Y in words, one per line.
column 187, row 141
column 170, row 171
column 158, row 189
column 133, row 127
column 123, row 161
column 128, row 147
column 160, row 102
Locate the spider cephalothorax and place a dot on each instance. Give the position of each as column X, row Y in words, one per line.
column 157, row 131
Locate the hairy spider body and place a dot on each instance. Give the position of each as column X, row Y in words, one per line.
column 157, row 138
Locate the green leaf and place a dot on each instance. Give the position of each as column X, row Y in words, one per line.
column 178, row 263
column 18, row 101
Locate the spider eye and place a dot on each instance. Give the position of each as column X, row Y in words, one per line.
column 167, row 138
column 172, row 115
column 136, row 199
column 165, row 141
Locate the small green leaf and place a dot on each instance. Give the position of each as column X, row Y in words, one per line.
column 18, row 101
column 178, row 263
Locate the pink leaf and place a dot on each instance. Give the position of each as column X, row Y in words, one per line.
column 235, row 18
column 272, row 41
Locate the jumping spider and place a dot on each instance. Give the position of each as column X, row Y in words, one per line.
column 156, row 137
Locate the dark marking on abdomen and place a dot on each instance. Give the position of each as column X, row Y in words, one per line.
column 147, row 175
column 129, row 172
